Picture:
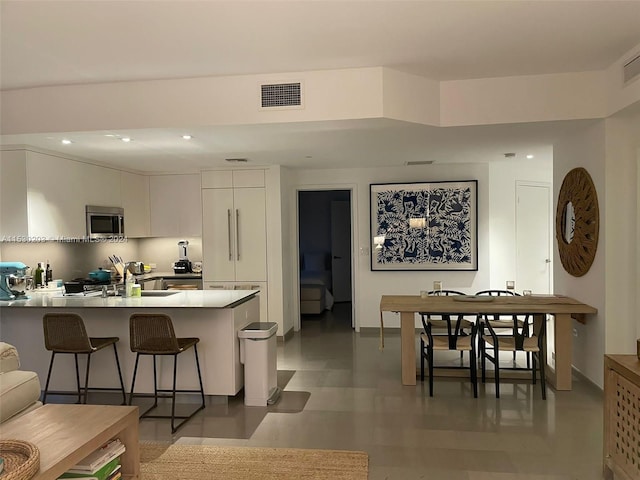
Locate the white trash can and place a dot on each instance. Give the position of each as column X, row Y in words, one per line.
column 258, row 353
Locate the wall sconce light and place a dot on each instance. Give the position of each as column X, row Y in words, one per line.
column 378, row 241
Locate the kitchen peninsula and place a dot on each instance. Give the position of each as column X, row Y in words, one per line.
column 213, row 316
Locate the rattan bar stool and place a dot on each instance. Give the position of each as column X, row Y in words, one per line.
column 65, row 333
column 153, row 334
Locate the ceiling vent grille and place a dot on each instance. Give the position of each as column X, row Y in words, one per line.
column 419, row 162
column 632, row 69
column 281, row 95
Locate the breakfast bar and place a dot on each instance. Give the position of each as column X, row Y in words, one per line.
column 213, row 316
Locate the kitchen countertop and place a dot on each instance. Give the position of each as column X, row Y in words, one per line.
column 173, row 299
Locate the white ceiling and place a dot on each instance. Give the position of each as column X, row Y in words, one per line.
column 72, row 42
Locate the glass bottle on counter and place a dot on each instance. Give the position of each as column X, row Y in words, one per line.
column 38, row 276
column 48, row 274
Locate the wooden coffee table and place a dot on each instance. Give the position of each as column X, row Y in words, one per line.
column 65, row 434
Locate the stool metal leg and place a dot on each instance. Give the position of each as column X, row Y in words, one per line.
column 46, row 386
column 124, row 393
column 155, row 383
column 133, row 380
column 75, row 356
column 173, row 394
column 86, row 379
column 195, row 350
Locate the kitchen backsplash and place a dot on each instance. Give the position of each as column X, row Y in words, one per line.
column 76, row 260
column 164, row 251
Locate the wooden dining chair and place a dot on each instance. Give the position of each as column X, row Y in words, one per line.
column 454, row 339
column 503, row 323
column 439, row 326
column 518, row 341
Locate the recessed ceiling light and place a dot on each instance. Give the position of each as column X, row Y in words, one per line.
column 125, row 139
column 109, row 135
column 187, row 137
column 529, row 156
column 66, row 141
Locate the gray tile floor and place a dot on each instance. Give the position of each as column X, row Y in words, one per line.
column 342, row 392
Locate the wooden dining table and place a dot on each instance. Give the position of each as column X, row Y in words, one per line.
column 561, row 307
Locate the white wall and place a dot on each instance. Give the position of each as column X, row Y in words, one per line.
column 289, row 261
column 370, row 286
column 621, row 224
column 610, row 151
column 504, row 176
column 586, row 148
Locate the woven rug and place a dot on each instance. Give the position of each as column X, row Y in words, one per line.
column 205, row 462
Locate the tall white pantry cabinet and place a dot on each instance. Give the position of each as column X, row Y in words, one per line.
column 234, row 232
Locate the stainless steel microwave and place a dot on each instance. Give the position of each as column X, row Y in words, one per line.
column 104, row 222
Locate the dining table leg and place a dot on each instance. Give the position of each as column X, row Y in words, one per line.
column 408, row 347
column 563, row 345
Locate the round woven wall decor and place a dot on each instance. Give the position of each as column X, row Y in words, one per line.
column 577, row 222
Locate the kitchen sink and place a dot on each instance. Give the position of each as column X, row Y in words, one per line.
column 157, row 293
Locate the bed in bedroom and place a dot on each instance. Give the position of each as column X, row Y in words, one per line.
column 315, row 284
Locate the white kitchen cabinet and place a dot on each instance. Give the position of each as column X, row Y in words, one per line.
column 48, row 194
column 53, row 210
column 135, row 201
column 262, row 286
column 99, row 185
column 234, row 243
column 175, row 205
column 233, row 178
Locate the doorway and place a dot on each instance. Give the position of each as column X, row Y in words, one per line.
column 325, row 249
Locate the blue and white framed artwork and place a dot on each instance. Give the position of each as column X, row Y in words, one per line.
column 424, row 226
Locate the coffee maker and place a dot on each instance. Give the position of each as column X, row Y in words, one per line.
column 183, row 265
column 13, row 280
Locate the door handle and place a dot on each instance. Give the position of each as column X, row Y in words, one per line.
column 337, row 258
column 547, row 260
column 238, row 234
column 229, row 233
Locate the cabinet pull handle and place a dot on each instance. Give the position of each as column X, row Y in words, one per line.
column 229, row 231
column 238, row 233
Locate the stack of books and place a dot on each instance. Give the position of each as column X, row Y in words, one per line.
column 103, row 464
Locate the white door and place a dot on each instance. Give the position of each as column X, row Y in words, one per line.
column 250, row 234
column 217, row 235
column 533, row 239
column 341, row 250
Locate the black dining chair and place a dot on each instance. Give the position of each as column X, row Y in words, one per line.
column 503, row 323
column 518, row 341
column 439, row 326
column 454, row 339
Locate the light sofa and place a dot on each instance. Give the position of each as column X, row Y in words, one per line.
column 19, row 389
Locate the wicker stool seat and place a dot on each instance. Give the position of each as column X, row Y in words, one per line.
column 65, row 333
column 153, row 334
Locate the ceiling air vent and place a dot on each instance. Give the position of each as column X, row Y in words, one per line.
column 281, row 95
column 419, row 162
column 632, row 69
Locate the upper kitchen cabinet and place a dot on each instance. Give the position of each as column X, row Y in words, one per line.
column 234, row 238
column 175, row 205
column 50, row 193
column 135, row 201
